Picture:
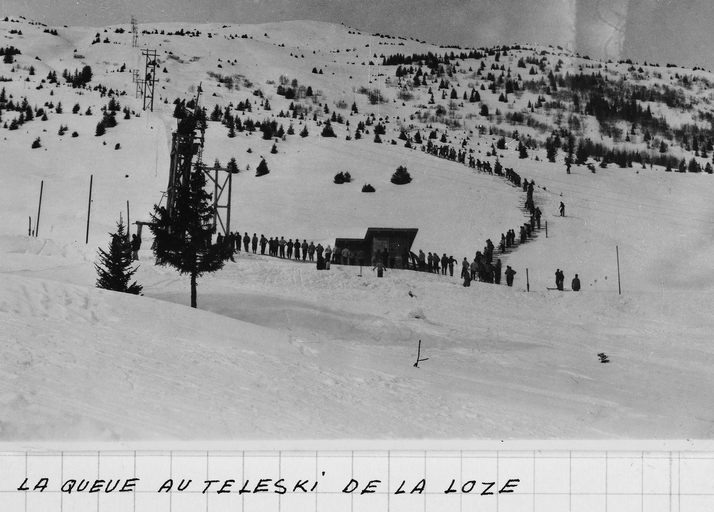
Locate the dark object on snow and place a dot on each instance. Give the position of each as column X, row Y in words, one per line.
column 603, row 357
column 575, row 284
column 419, row 358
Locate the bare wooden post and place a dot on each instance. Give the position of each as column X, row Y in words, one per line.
column 419, row 359
column 89, row 207
column 528, row 282
column 29, row 225
column 128, row 223
column 619, row 287
column 546, row 229
column 39, row 209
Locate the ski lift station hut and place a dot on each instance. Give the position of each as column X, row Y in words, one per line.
column 396, row 241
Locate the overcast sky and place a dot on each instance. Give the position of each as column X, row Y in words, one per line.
column 677, row 31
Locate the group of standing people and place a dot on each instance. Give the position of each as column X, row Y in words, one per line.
column 277, row 247
column 436, row 264
column 560, row 280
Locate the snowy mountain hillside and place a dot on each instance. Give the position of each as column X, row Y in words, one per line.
column 279, row 349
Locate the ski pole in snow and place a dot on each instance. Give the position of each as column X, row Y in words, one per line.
column 617, row 253
column 39, row 209
column 89, row 207
column 528, row 283
column 29, row 225
column 128, row 224
column 419, row 359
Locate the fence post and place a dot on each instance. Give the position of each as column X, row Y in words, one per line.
column 39, row 209
column 546, row 229
column 619, row 287
column 89, row 207
column 528, row 282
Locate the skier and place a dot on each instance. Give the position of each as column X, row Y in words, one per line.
column 562, row 209
column 509, row 275
column 575, row 284
column 465, row 268
column 559, row 279
column 135, row 246
column 282, row 247
column 380, row 267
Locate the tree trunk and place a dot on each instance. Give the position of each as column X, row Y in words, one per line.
column 193, row 290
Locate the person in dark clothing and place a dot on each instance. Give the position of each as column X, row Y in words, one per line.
column 135, row 246
column 379, row 267
column 559, row 278
column 296, row 246
column 236, row 240
column 304, row 249
column 319, row 250
column 311, row 251
column 509, row 275
column 254, row 243
column 575, row 284
column 289, row 248
column 465, row 270
column 451, row 262
column 281, row 246
column 246, row 241
column 467, row 279
column 497, row 272
column 562, row 209
column 444, row 264
column 219, row 239
column 537, row 214
column 263, row 242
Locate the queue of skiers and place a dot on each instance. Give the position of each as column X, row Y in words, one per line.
column 278, row 247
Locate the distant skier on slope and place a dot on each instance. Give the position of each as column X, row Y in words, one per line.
column 562, row 209
column 575, row 284
column 509, row 275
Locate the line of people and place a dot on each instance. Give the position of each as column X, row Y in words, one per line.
column 279, row 248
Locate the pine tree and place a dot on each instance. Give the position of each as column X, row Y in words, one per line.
column 232, row 166
column 551, row 149
column 114, row 269
column 262, row 168
column 522, row 152
column 183, row 240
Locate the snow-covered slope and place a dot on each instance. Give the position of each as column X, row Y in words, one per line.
column 279, row 349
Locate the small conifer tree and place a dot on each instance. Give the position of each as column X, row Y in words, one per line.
column 114, row 270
